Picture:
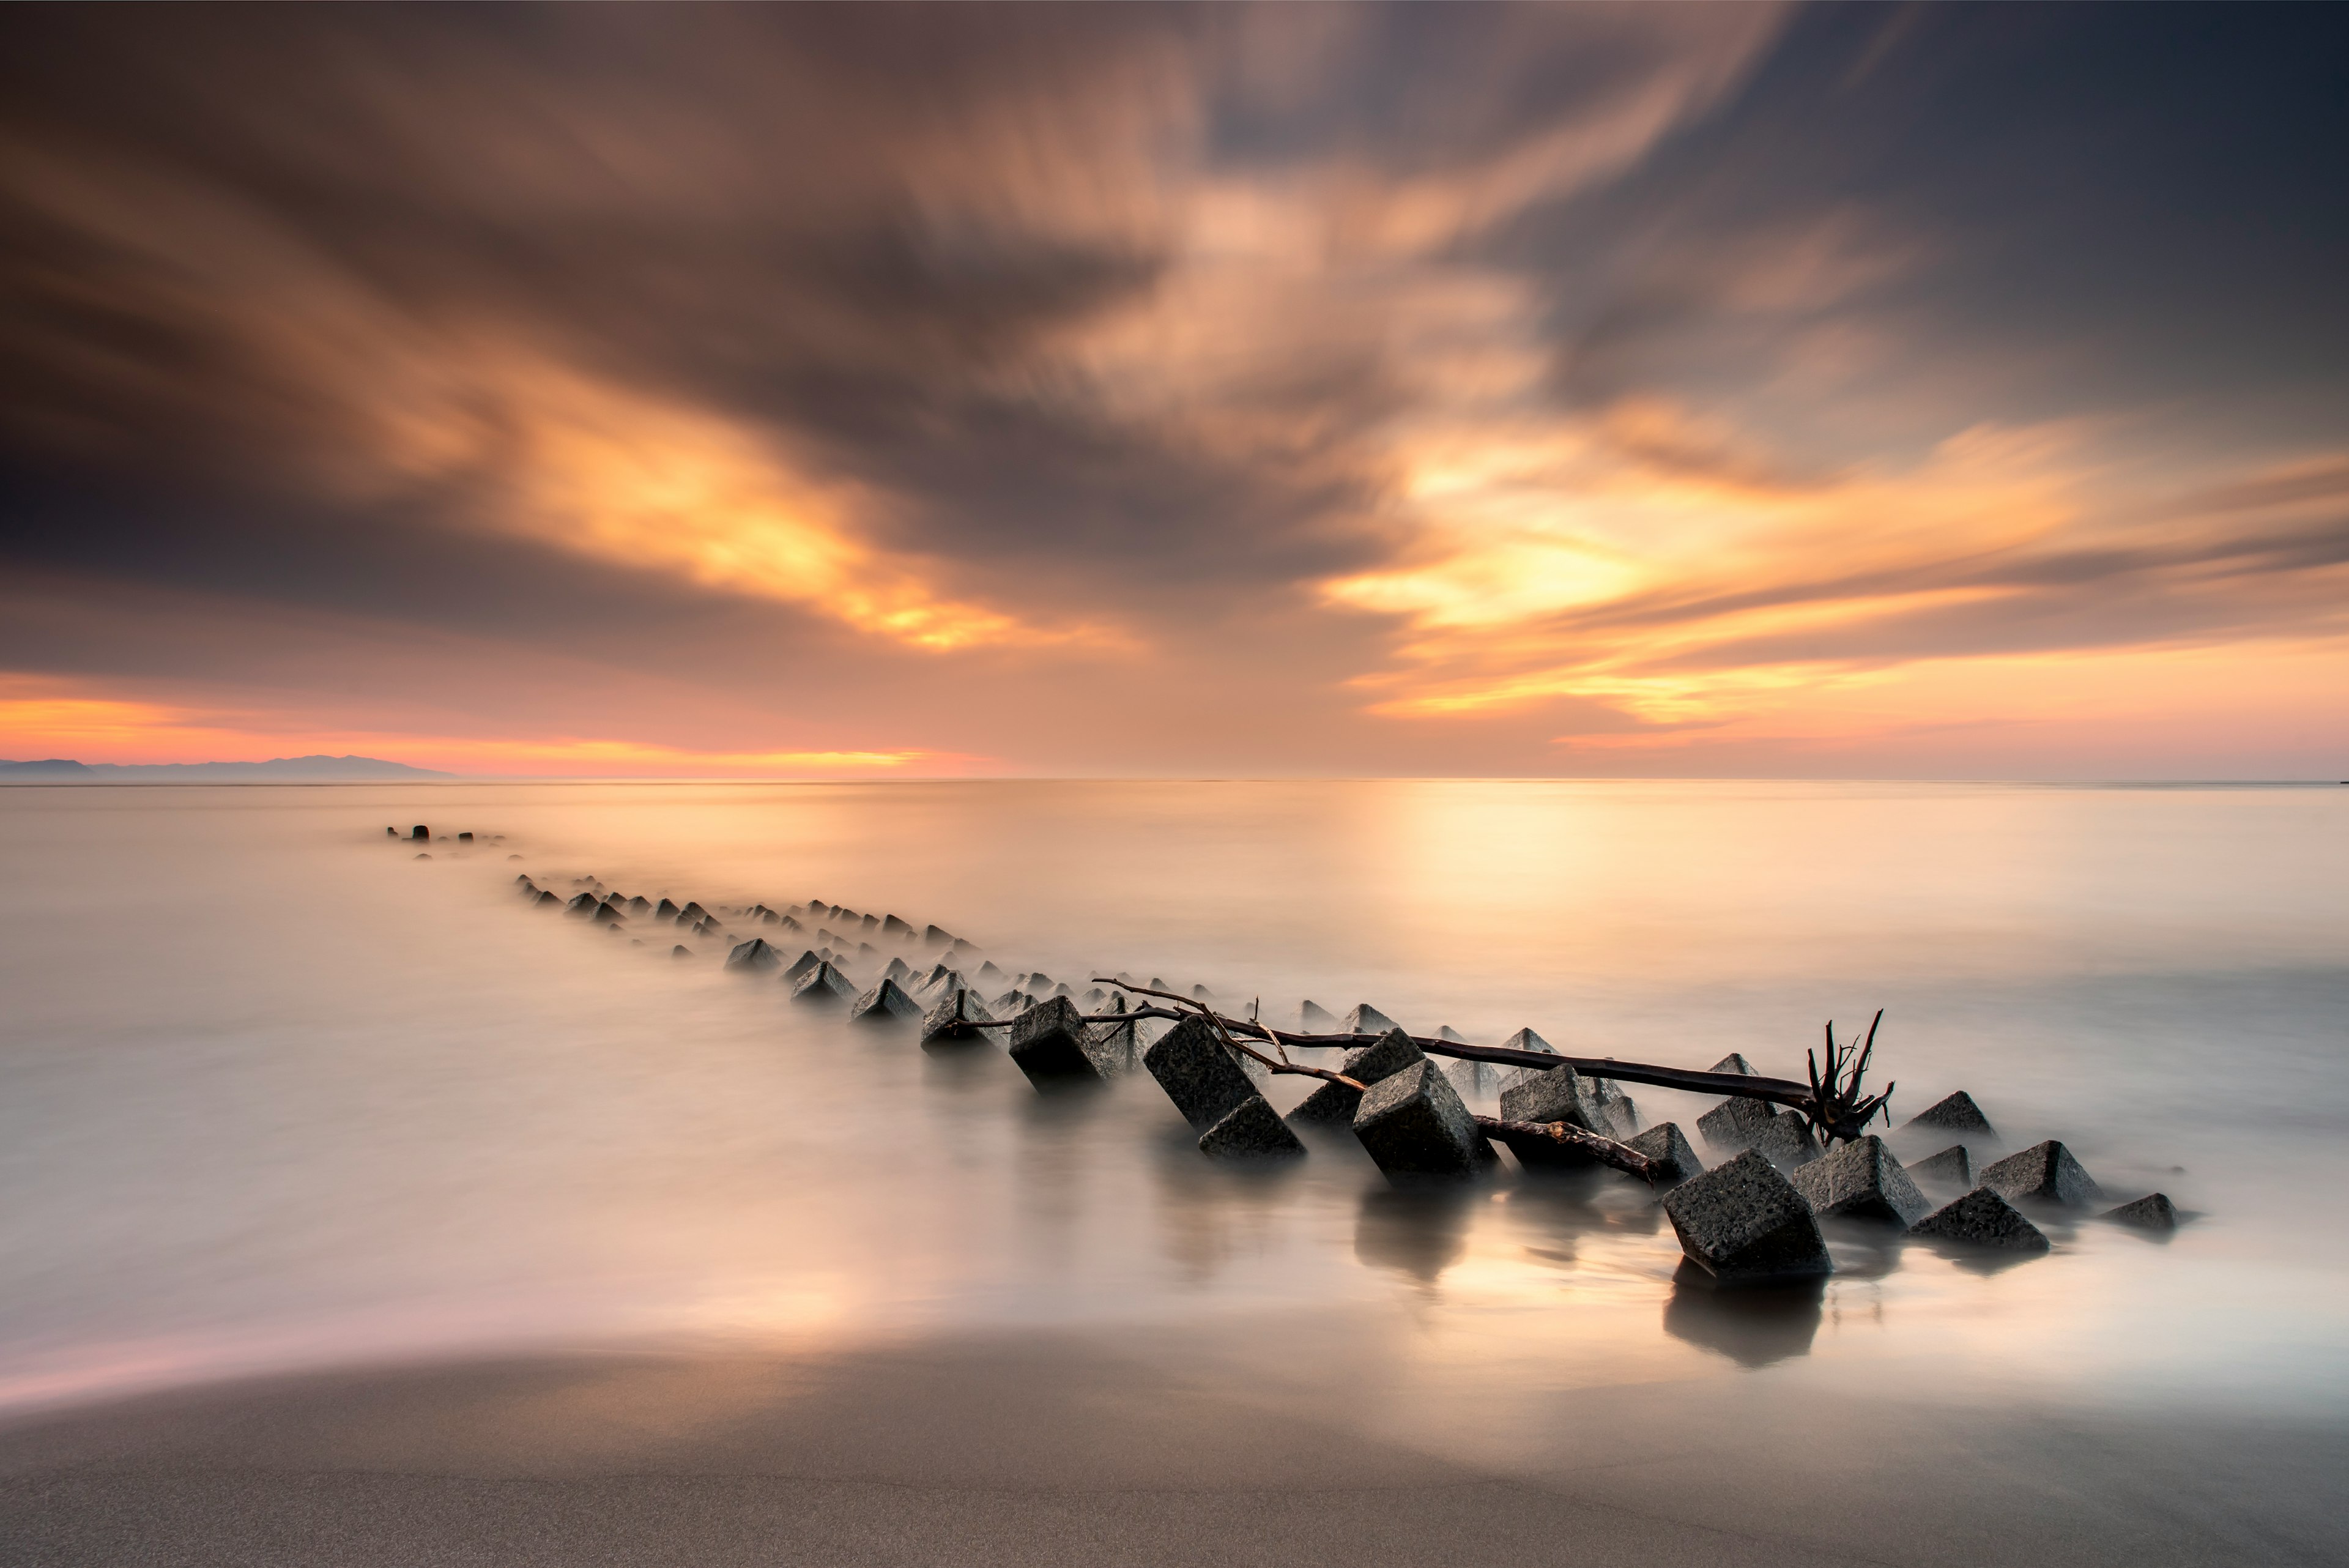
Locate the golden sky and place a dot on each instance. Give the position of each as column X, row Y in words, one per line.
column 1451, row 390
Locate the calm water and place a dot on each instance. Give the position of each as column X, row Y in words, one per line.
column 273, row 1094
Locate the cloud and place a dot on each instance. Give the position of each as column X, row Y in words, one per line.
column 1381, row 388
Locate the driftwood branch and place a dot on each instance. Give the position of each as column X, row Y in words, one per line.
column 1832, row 1101
column 1606, row 1150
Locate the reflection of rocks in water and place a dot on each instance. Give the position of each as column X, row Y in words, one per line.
column 1753, row 1325
column 1418, row 1232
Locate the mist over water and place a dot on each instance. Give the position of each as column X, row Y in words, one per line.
column 277, row 1094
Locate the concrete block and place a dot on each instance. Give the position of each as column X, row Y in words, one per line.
column 1734, row 1063
column 1951, row 1170
column 1731, row 1127
column 899, row 970
column 754, row 956
column 1956, row 1114
column 885, row 1003
column 1861, row 1181
column 1665, row 1142
column 1413, row 1125
column 1315, row 1018
column 680, row 950
column 1524, row 1039
column 1250, row 1130
column 951, row 1017
column 1561, row 1094
column 1364, row 1019
column 823, row 986
column 2152, row 1212
column 1744, row 1224
column 1981, row 1219
column 1203, row 1079
column 1786, row 1142
column 2044, row 1173
column 584, row 906
column 665, row 910
column 895, row 927
column 1049, row 1041
column 1334, row 1104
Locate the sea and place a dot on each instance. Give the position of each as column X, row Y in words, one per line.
column 282, row 1091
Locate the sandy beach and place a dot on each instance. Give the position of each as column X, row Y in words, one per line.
column 1064, row 1449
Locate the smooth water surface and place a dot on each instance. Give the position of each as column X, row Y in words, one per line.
column 275, row 1093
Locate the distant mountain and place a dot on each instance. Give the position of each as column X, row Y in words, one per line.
column 63, row 769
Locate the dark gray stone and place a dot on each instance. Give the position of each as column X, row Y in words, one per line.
column 693, row 911
column 754, row 955
column 936, row 937
column 823, row 985
column 464, row 838
column 897, row 928
column 1250, row 1130
column 1198, row 1074
column 1413, row 1125
column 666, row 910
column 1956, row 1114
column 1786, row 1142
column 639, row 907
column 1561, row 1094
column 1744, row 1223
column 1734, row 1063
column 680, row 950
column 1524, row 1039
column 1049, row 1041
column 584, row 906
column 989, row 974
column 1861, row 1181
column 1731, row 1127
column 885, row 1003
column 2044, row 1173
column 548, row 899
column 1666, row 1143
column 1315, row 1018
column 1473, row 1078
column 421, row 834
column 1120, row 1043
column 951, row 1018
column 1364, row 1019
column 899, row 970
column 1335, row 1104
column 1981, row 1219
column 1951, row 1169
column 2154, row 1211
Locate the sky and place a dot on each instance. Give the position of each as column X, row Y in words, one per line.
column 1455, row 391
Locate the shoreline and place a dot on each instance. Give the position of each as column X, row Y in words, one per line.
column 1068, row 1448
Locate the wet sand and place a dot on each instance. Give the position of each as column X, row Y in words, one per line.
column 1077, row 1449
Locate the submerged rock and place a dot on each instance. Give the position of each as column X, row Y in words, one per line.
column 2044, row 1173
column 1250, row 1130
column 693, row 911
column 951, row 1017
column 1364, row 1019
column 1731, row 1127
column 421, row 834
column 1786, row 1142
column 1953, row 1168
column 1198, row 1074
column 1734, row 1063
column 548, row 899
column 638, row 906
column 1861, row 1181
column 1744, row 1223
column 1955, row 1114
column 2154, row 1211
column 1335, row 1103
column 666, row 910
column 1525, row 1040
column 1665, row 1143
column 680, row 950
column 1048, row 1041
column 584, row 906
column 754, row 955
column 1315, row 1018
column 938, row 936
column 886, row 1002
column 1413, row 1125
column 464, row 838
column 899, row 970
column 895, row 927
column 1981, row 1219
column 823, row 986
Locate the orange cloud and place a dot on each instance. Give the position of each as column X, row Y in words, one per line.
column 41, row 719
